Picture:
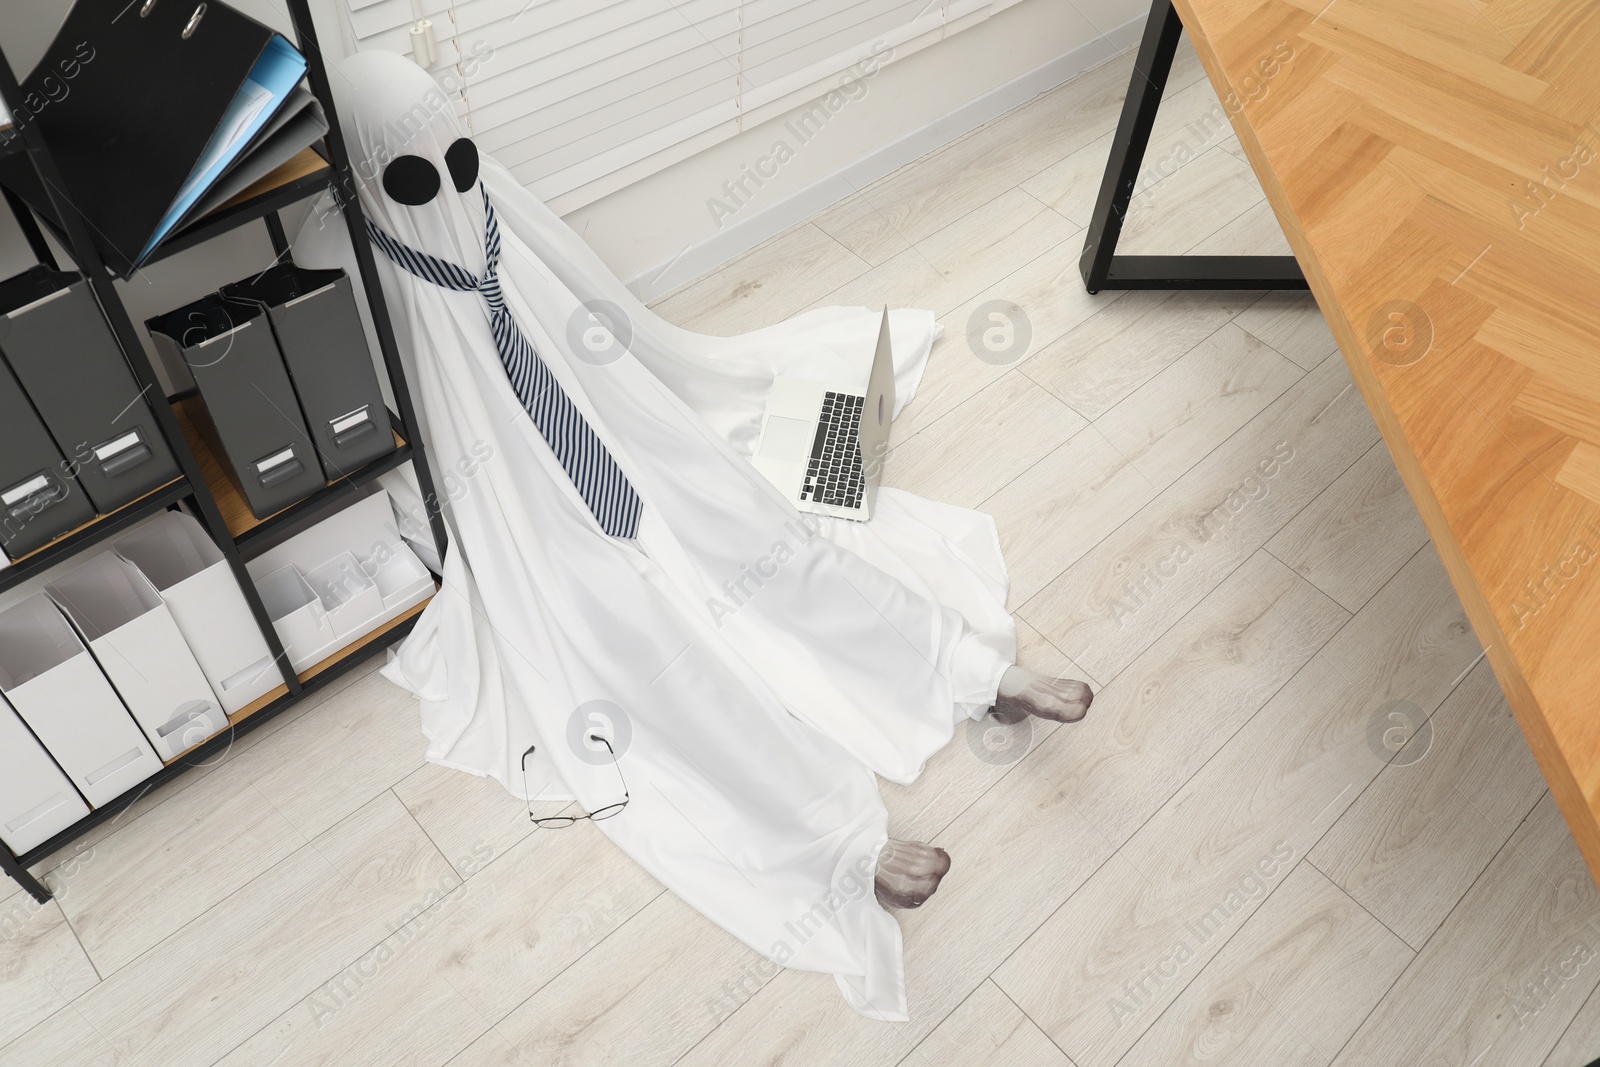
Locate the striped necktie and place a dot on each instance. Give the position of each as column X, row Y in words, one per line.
column 596, row 475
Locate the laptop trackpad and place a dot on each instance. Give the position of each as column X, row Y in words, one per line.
column 787, row 439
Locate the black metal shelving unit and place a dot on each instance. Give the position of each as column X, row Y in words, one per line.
column 245, row 538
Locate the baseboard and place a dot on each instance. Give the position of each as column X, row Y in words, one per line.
column 738, row 237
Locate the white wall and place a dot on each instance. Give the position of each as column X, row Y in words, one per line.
column 933, row 92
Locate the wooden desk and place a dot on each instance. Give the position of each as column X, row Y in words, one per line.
column 1435, row 165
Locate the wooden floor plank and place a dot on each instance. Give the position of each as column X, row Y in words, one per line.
column 65, row 1037
column 770, row 282
column 164, row 870
column 644, row 996
column 1179, row 702
column 1054, row 512
column 1022, row 423
column 523, row 917
column 461, row 813
column 213, row 984
column 1097, row 365
column 1109, row 605
column 1198, row 402
column 1255, row 232
column 1207, row 858
column 1508, row 970
column 1352, row 538
column 948, row 267
column 1580, row 1044
column 1174, row 216
column 1071, row 185
column 377, row 1012
column 44, row 967
column 491, row 1050
column 318, row 770
column 1292, row 324
column 1289, row 989
column 1438, row 812
column 1035, row 304
column 986, row 1031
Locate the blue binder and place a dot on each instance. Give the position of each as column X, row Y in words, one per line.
column 164, row 100
column 264, row 91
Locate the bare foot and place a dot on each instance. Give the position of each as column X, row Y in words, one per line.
column 1024, row 692
column 909, row 872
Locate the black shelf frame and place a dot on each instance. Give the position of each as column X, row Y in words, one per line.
column 91, row 534
column 1099, row 264
column 73, row 234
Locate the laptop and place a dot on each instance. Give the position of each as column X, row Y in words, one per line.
column 822, row 445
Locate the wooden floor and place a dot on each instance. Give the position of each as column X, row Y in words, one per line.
column 1298, row 827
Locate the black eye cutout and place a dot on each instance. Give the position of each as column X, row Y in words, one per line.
column 462, row 159
column 411, row 180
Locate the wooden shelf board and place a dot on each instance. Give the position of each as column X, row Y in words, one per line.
column 301, row 165
column 365, row 639
column 259, row 702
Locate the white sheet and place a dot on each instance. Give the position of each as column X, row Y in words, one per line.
column 765, row 666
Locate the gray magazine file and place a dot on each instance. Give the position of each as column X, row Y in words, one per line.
column 313, row 315
column 250, row 414
column 61, row 350
column 39, row 500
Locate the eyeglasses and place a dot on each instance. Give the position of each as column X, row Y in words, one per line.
column 561, row 822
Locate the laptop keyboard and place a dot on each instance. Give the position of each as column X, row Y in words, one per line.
column 833, row 475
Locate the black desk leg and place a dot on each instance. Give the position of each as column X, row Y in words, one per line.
column 22, row 876
column 1101, row 267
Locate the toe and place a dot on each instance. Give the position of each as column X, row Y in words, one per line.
column 1077, row 692
column 1078, row 698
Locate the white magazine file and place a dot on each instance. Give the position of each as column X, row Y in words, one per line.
column 131, row 632
column 53, row 682
column 37, row 800
column 195, row 582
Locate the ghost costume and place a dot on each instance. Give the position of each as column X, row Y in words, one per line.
column 752, row 667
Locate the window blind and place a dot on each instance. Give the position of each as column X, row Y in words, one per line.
column 581, row 96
